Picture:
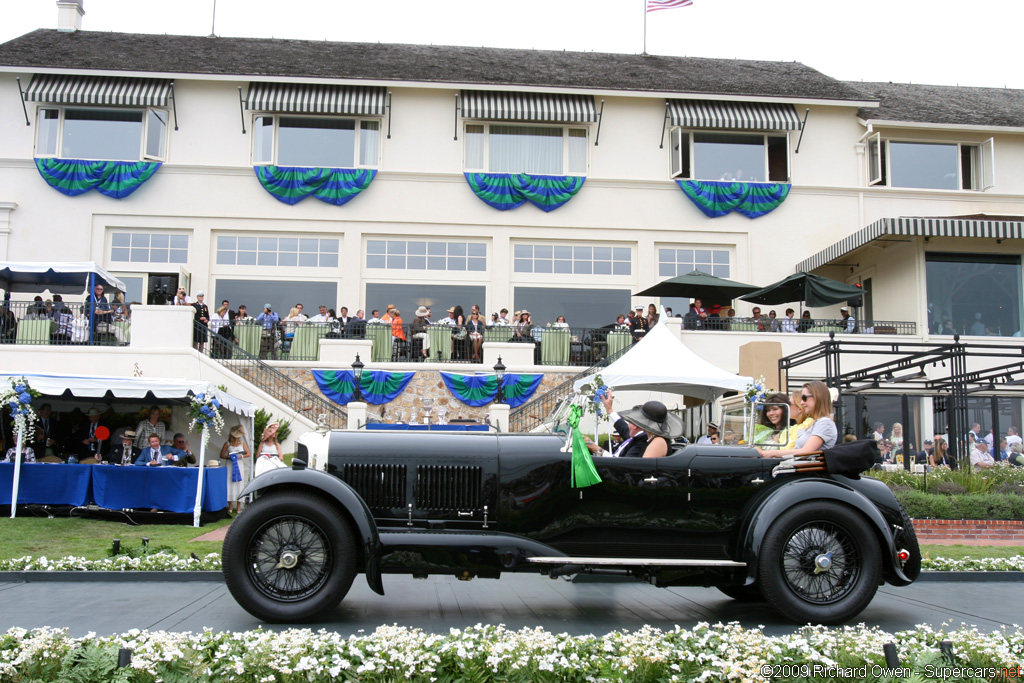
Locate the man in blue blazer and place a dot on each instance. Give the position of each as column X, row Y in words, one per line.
column 157, row 455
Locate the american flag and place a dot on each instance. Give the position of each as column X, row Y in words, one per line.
column 655, row 5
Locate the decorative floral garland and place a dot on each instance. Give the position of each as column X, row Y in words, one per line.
column 18, row 399
column 205, row 413
column 720, row 652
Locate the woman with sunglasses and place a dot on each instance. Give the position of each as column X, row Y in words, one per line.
column 816, row 402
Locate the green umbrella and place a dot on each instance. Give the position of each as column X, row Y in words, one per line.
column 814, row 290
column 699, row 285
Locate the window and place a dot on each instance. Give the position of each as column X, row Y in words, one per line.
column 426, row 255
column 281, row 295
column 581, row 307
column 323, row 142
column 513, row 148
column 975, row 294
column 565, row 259
column 931, row 165
column 144, row 247
column 675, row 262
column 101, row 134
column 301, row 252
column 745, row 157
column 438, row 298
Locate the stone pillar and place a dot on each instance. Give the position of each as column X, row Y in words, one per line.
column 499, row 416
column 356, row 415
column 342, row 352
column 761, row 359
column 517, row 355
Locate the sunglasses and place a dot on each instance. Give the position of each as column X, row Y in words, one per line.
column 805, row 397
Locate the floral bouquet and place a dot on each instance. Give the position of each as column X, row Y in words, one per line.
column 205, row 414
column 18, row 399
column 596, row 391
column 756, row 391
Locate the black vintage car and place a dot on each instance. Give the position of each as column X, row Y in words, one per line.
column 811, row 537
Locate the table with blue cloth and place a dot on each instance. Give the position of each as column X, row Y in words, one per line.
column 47, row 484
column 114, row 487
column 165, row 488
column 401, row 427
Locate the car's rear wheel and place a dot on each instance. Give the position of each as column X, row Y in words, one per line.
column 749, row 593
column 289, row 557
column 819, row 563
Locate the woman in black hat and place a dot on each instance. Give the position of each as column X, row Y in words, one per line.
column 645, row 430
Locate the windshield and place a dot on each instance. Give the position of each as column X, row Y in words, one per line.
column 771, row 425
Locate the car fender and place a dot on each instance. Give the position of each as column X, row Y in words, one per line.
column 801, row 490
column 347, row 499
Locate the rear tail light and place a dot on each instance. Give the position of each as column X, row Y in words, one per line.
column 902, row 555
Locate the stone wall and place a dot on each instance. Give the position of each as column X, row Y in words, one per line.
column 426, row 384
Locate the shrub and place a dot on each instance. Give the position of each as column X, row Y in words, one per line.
column 262, row 418
column 920, row 505
column 947, row 488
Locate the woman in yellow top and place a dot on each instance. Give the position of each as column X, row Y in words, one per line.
column 798, row 418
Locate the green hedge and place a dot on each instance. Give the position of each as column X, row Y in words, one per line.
column 920, row 505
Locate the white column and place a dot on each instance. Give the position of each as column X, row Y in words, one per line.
column 499, row 416
column 356, row 415
column 5, row 227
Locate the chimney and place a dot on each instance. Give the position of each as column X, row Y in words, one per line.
column 69, row 15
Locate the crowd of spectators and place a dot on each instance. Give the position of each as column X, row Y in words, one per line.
column 982, row 449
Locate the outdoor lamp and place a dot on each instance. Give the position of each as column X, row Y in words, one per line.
column 357, row 373
column 499, row 373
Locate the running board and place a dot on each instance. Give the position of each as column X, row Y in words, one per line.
column 630, row 562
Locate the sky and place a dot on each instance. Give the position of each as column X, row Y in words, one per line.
column 940, row 42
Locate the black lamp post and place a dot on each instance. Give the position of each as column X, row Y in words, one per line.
column 357, row 374
column 499, row 373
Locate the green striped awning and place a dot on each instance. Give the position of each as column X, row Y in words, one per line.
column 1007, row 228
column 100, row 90
column 309, row 98
column 733, row 115
column 528, row 106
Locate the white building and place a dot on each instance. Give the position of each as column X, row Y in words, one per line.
column 914, row 192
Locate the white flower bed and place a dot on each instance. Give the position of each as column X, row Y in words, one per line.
column 173, row 563
column 723, row 652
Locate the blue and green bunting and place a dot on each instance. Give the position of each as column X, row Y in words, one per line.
column 717, row 198
column 479, row 390
column 379, row 386
column 336, row 186
column 506, row 191
column 116, row 179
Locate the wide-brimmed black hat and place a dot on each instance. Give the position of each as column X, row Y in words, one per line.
column 653, row 417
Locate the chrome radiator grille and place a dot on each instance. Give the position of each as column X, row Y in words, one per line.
column 448, row 487
column 381, row 486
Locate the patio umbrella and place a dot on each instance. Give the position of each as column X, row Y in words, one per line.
column 699, row 285
column 814, row 290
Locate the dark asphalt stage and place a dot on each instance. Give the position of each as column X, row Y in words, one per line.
column 439, row 603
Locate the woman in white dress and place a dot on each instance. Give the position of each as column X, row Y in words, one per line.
column 237, row 451
column 219, row 319
column 270, row 456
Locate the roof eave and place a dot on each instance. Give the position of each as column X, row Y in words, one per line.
column 443, row 85
column 920, row 125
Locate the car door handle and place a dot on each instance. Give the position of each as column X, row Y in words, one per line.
column 651, row 480
column 759, row 480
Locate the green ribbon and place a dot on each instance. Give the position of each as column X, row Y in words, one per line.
column 583, row 471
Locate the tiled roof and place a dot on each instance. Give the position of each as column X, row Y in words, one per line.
column 256, row 58
column 944, row 104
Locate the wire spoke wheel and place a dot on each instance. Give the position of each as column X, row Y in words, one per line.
column 821, row 563
column 289, row 558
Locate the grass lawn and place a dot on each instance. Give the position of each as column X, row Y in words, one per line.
column 958, row 552
column 91, row 538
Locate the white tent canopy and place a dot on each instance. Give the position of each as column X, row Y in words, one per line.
column 60, row 278
column 97, row 386
column 661, row 362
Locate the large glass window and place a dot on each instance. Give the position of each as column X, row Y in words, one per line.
column 323, row 142
column 145, row 247
column 508, row 148
column 581, row 307
column 290, row 252
column 974, row 294
column 674, row 262
column 438, row 298
column 102, row 134
column 739, row 157
column 426, row 255
column 569, row 259
column 931, row 165
column 281, row 295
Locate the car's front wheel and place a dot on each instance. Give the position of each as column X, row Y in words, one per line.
column 289, row 557
column 819, row 563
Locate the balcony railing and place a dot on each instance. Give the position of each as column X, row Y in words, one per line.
column 800, row 325
column 46, row 323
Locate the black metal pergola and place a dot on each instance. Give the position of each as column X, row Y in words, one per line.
column 952, row 370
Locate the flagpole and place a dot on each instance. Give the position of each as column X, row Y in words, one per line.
column 645, row 26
